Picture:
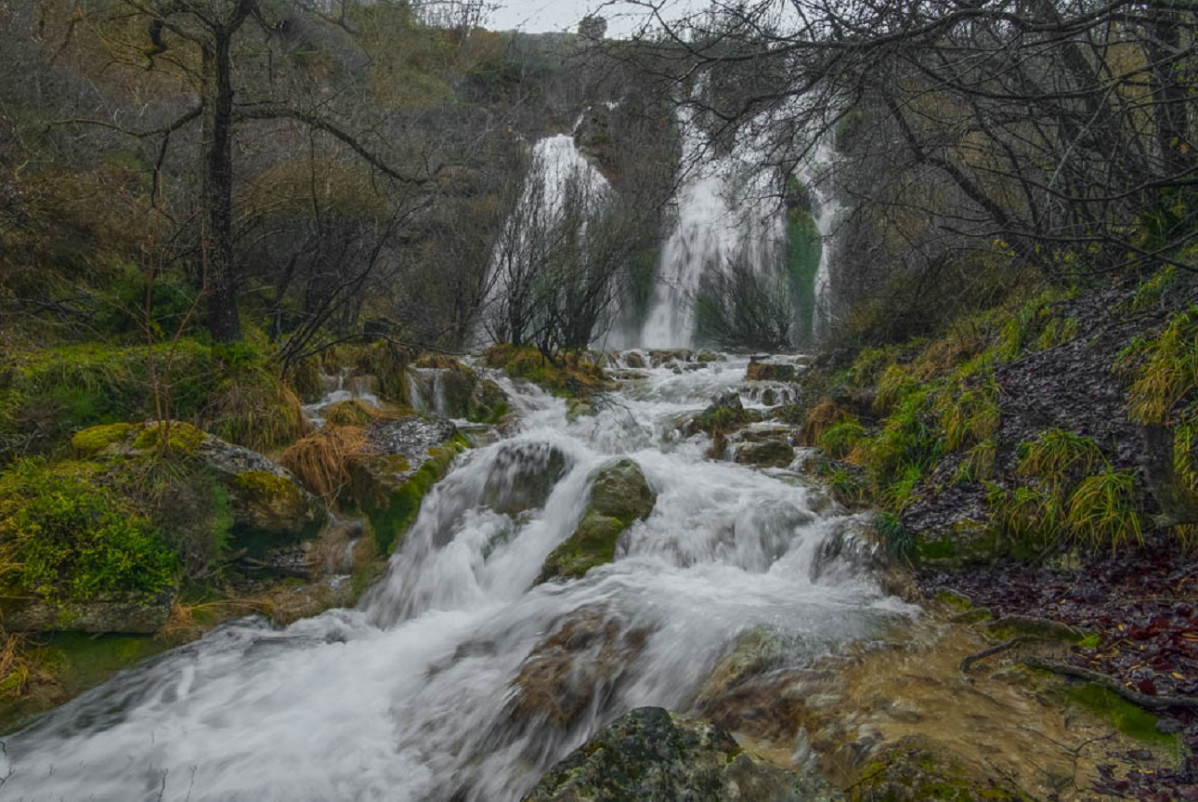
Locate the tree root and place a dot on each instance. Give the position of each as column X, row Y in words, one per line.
column 1114, row 686
column 993, row 650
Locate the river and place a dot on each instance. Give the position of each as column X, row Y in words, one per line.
column 413, row 695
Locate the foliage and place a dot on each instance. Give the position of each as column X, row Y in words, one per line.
column 65, row 537
column 1169, row 371
column 567, row 373
column 839, row 440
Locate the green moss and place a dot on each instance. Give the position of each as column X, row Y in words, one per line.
column 182, row 437
column 264, row 484
column 66, row 537
column 393, row 515
column 1127, row 718
column 941, row 549
column 567, row 374
column 592, row 544
column 91, row 441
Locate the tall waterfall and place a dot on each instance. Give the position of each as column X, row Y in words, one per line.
column 728, row 208
column 558, row 175
column 429, row 690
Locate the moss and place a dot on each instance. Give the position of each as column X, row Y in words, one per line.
column 942, row 549
column 1126, row 717
column 264, row 484
column 183, row 438
column 566, row 374
column 592, row 544
column 91, row 441
column 393, row 515
column 349, row 413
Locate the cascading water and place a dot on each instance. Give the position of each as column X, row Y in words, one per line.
column 415, row 695
column 726, row 208
column 815, row 172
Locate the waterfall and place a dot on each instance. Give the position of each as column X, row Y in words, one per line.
column 558, row 176
column 727, row 208
column 430, row 690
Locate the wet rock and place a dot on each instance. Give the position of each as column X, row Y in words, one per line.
column 634, row 360
column 403, row 459
column 566, row 671
column 620, row 495
column 769, row 453
column 522, row 476
column 770, row 372
column 725, row 414
column 132, row 615
column 652, row 755
column 918, row 768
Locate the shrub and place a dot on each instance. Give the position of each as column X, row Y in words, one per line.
column 65, row 537
column 1169, row 371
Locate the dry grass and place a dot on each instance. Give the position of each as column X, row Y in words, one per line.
column 188, row 621
column 258, row 412
column 822, row 417
column 322, row 459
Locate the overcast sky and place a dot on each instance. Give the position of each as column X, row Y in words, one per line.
column 538, row 16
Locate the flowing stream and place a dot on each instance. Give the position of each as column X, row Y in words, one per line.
column 414, row 695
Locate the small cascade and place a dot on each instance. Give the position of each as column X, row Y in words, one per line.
column 815, row 172
column 343, row 386
column 426, row 390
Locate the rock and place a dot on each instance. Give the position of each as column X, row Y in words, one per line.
column 562, row 675
column 650, row 754
column 522, row 476
column 770, row 372
column 770, row 453
column 633, row 359
column 132, row 615
column 620, row 495
column 403, row 460
column 918, row 768
column 724, row 414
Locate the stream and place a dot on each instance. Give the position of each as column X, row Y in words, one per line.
column 414, row 694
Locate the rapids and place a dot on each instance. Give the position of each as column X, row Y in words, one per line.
column 410, row 696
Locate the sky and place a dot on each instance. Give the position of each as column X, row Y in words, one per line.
column 539, row 16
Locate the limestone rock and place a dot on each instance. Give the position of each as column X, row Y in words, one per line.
column 650, row 754
column 129, row 615
column 769, row 453
column 523, row 475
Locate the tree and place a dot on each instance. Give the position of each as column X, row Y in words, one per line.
column 239, row 78
column 1057, row 131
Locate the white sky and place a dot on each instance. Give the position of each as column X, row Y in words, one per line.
column 539, row 16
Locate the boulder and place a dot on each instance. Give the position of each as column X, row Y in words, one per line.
column 562, row 675
column 522, row 476
column 770, row 372
column 132, row 615
column 652, row 754
column 403, row 460
column 620, row 495
column 768, row 453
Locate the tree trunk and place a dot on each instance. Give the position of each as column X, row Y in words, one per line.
column 217, row 159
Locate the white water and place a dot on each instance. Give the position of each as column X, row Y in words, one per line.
column 410, row 697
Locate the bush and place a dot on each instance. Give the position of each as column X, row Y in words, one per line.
column 64, row 537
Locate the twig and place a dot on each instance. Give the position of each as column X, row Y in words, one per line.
column 993, row 650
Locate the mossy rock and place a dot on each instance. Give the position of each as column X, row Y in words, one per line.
column 270, row 510
column 621, row 491
column 620, row 495
column 488, row 403
column 593, row 543
column 650, row 753
column 917, row 768
column 771, row 453
column 97, row 441
column 770, row 372
column 725, row 414
column 182, row 438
